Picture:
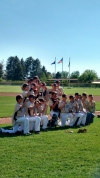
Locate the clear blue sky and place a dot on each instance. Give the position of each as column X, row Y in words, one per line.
column 46, row 29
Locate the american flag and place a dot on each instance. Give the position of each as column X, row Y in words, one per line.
column 60, row 61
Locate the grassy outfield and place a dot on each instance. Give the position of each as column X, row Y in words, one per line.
column 9, row 88
column 7, row 104
column 94, row 91
column 52, row 154
column 17, row 89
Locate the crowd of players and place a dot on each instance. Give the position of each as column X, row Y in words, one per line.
column 35, row 101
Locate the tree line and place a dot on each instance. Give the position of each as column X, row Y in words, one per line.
column 19, row 69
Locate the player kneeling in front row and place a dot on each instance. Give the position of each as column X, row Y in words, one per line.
column 81, row 113
column 18, row 119
column 91, row 110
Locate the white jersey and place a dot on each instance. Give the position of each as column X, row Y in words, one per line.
column 27, row 107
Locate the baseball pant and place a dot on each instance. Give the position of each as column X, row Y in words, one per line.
column 44, row 121
column 64, row 117
column 21, row 120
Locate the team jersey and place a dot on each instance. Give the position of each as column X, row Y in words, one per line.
column 85, row 104
column 73, row 106
column 24, row 94
column 91, row 106
column 65, row 108
column 80, row 105
column 27, row 106
column 17, row 112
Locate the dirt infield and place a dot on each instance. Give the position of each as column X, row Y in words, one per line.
column 8, row 120
column 5, row 120
column 8, row 94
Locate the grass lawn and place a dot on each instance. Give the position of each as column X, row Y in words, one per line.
column 52, row 154
column 10, row 88
column 17, row 89
column 7, row 104
column 94, row 91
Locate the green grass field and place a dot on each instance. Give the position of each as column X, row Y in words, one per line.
column 17, row 89
column 7, row 102
column 51, row 154
column 9, row 88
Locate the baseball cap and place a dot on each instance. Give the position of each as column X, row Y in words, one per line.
column 57, row 81
column 54, row 84
column 43, row 84
column 25, row 85
column 19, row 97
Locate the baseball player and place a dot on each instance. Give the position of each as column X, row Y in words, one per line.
column 18, row 118
column 29, row 112
column 40, row 111
column 64, row 108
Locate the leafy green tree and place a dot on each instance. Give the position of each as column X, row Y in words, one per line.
column 1, row 70
column 75, row 75
column 53, row 75
column 88, row 76
column 49, row 75
column 64, row 74
column 43, row 77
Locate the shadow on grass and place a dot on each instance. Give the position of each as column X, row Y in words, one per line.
column 18, row 133
column 57, row 128
column 2, row 135
column 96, row 174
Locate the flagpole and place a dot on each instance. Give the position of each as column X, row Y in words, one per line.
column 62, row 71
column 61, row 61
column 69, row 72
column 55, row 67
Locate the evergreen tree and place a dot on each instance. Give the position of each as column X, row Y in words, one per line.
column 36, row 68
column 14, row 69
column 58, row 75
column 45, row 71
column 28, row 66
column 1, row 70
column 23, row 67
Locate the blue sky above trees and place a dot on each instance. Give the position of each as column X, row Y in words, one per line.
column 48, row 29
